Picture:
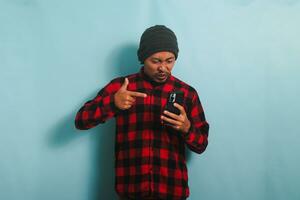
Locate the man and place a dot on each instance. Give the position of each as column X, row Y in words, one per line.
column 150, row 141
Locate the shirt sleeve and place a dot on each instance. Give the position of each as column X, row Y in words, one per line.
column 99, row 109
column 197, row 136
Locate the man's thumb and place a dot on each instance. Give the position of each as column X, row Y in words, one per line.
column 125, row 84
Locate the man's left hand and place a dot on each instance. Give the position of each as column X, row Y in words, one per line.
column 179, row 122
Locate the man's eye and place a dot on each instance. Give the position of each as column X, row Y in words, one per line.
column 169, row 61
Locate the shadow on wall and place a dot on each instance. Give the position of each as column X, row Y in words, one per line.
column 101, row 173
column 122, row 62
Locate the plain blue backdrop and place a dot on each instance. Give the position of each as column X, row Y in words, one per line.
column 242, row 56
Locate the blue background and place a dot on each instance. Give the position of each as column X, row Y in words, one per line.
column 242, row 56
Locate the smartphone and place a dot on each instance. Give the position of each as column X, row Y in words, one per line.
column 174, row 97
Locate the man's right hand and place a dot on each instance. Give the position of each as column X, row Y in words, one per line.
column 124, row 98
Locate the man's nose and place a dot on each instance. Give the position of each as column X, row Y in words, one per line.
column 162, row 67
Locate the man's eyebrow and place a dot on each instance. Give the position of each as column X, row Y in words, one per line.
column 172, row 57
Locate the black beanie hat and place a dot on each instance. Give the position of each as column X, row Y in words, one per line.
column 155, row 39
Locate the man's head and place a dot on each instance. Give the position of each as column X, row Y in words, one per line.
column 159, row 66
column 158, row 51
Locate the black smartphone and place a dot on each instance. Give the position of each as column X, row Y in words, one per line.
column 176, row 96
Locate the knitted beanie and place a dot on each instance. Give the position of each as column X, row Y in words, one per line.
column 156, row 39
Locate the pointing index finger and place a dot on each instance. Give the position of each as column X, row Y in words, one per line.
column 137, row 94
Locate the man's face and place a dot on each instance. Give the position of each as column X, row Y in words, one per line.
column 159, row 66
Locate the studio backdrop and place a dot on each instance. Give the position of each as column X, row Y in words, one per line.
column 242, row 56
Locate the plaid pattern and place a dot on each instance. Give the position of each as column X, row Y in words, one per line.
column 149, row 157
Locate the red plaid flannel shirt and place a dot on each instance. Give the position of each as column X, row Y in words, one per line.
column 149, row 157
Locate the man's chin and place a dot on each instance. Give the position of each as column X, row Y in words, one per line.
column 161, row 80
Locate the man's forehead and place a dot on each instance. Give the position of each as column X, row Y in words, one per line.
column 163, row 55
